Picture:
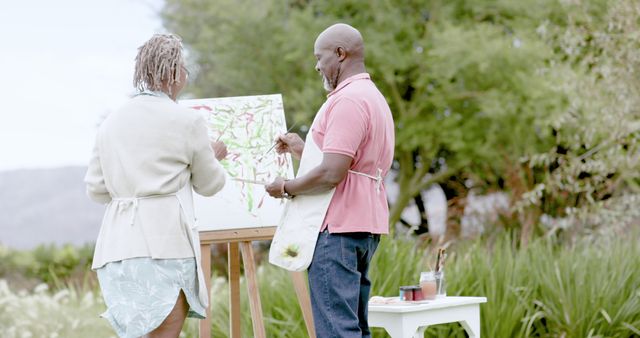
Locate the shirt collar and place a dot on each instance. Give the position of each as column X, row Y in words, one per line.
column 156, row 93
column 347, row 81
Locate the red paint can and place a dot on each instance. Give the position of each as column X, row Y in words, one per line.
column 406, row 293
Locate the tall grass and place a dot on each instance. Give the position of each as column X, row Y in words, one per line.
column 590, row 288
column 66, row 313
column 282, row 315
column 396, row 263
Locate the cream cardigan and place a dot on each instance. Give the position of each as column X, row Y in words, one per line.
column 150, row 149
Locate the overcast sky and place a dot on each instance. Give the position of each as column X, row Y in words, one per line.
column 63, row 64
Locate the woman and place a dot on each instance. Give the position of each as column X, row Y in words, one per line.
column 147, row 157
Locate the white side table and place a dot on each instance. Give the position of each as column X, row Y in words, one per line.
column 411, row 320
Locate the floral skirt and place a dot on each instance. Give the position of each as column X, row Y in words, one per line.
column 141, row 292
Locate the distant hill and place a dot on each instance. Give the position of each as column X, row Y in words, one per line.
column 46, row 206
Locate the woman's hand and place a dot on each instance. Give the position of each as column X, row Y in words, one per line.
column 219, row 149
column 290, row 143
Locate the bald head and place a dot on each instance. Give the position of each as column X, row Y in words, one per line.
column 339, row 50
column 342, row 36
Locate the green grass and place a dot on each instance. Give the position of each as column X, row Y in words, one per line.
column 42, row 313
column 588, row 289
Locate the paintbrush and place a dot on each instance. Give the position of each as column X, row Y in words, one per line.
column 276, row 143
column 439, row 259
column 246, row 180
column 444, row 258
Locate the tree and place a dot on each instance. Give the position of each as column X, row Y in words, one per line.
column 590, row 177
column 468, row 81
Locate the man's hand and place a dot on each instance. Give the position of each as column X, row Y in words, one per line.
column 219, row 149
column 290, row 143
column 275, row 189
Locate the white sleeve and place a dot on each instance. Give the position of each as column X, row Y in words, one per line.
column 96, row 187
column 207, row 175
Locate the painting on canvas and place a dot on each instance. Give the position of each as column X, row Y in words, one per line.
column 248, row 126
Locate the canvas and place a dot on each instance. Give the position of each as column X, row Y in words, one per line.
column 248, row 125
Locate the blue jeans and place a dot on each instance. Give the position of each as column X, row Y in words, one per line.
column 338, row 284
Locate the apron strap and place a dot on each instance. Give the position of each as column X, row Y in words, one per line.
column 132, row 202
column 377, row 178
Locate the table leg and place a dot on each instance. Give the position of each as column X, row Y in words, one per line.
column 420, row 332
column 400, row 331
column 472, row 323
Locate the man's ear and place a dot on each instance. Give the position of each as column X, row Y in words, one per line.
column 341, row 53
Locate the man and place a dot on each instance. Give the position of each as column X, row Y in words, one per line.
column 354, row 132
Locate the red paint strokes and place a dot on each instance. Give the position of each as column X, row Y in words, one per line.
column 201, row 107
column 261, row 201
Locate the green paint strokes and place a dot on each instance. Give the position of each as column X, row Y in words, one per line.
column 248, row 126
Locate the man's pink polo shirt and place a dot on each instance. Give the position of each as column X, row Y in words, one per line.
column 357, row 122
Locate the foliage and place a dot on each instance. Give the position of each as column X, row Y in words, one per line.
column 590, row 177
column 65, row 313
column 590, row 288
column 462, row 77
column 46, row 263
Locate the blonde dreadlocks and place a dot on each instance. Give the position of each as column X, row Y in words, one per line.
column 159, row 60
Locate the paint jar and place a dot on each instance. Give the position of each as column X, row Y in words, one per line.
column 441, row 286
column 417, row 293
column 406, row 293
column 428, row 285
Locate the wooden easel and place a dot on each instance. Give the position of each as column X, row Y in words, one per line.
column 240, row 240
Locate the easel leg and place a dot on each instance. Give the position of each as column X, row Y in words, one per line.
column 300, row 285
column 252, row 286
column 234, row 290
column 205, row 254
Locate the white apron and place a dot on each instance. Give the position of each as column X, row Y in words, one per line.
column 185, row 200
column 295, row 239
